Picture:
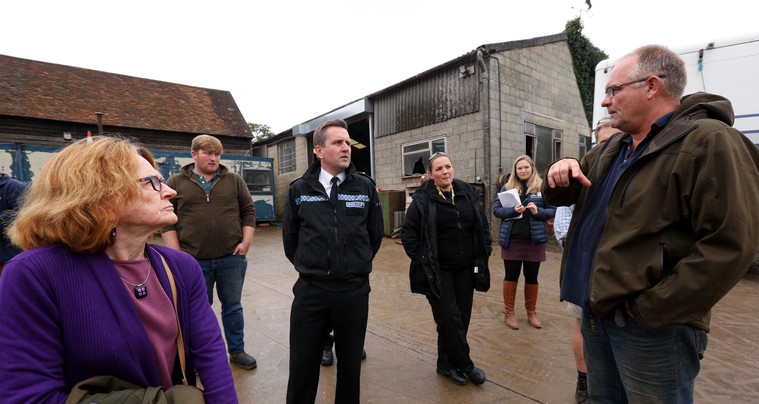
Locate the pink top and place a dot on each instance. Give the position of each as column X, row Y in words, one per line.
column 156, row 311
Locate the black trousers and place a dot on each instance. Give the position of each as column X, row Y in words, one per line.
column 452, row 312
column 314, row 313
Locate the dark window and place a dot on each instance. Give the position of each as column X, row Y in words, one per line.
column 585, row 144
column 416, row 156
column 543, row 144
column 257, row 180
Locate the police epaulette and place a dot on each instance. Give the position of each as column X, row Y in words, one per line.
column 367, row 176
column 295, row 180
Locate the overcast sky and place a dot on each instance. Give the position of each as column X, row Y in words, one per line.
column 286, row 62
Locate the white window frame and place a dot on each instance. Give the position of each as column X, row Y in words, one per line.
column 432, row 146
column 286, row 155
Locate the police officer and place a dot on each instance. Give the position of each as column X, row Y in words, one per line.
column 332, row 229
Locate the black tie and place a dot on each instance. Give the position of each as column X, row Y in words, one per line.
column 333, row 191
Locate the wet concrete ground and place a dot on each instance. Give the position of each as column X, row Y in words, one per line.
column 523, row 366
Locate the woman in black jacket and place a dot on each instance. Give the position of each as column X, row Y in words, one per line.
column 447, row 237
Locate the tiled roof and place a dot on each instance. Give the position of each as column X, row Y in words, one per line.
column 42, row 90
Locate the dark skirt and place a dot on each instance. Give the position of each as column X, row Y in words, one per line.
column 522, row 249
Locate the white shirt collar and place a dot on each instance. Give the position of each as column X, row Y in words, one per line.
column 325, row 179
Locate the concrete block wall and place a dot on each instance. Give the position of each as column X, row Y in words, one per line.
column 535, row 85
column 463, row 143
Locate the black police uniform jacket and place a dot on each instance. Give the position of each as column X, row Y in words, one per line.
column 333, row 246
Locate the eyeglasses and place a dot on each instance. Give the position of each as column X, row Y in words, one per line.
column 154, row 181
column 436, row 155
column 611, row 91
column 603, row 121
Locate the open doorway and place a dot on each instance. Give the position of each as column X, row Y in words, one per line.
column 360, row 153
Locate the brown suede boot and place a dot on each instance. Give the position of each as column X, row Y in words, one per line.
column 530, row 303
column 509, row 294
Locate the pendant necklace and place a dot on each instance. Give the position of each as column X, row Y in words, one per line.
column 140, row 290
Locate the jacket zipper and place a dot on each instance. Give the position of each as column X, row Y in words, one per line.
column 628, row 183
column 208, row 194
column 213, row 184
column 337, row 239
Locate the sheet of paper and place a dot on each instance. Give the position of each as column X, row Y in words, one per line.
column 509, row 199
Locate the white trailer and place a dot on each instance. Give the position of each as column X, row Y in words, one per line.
column 727, row 68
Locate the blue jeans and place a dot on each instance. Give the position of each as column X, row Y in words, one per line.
column 228, row 273
column 629, row 364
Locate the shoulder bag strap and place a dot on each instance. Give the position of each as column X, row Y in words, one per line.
column 180, row 340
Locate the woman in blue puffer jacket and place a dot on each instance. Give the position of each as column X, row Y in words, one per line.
column 523, row 239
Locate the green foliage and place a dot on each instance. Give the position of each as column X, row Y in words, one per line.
column 585, row 57
column 260, row 131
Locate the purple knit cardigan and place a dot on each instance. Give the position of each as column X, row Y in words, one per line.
column 66, row 316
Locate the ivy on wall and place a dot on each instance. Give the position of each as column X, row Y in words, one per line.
column 585, row 57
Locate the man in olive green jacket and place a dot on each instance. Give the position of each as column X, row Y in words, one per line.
column 663, row 228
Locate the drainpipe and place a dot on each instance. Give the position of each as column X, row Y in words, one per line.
column 370, row 120
column 485, row 108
